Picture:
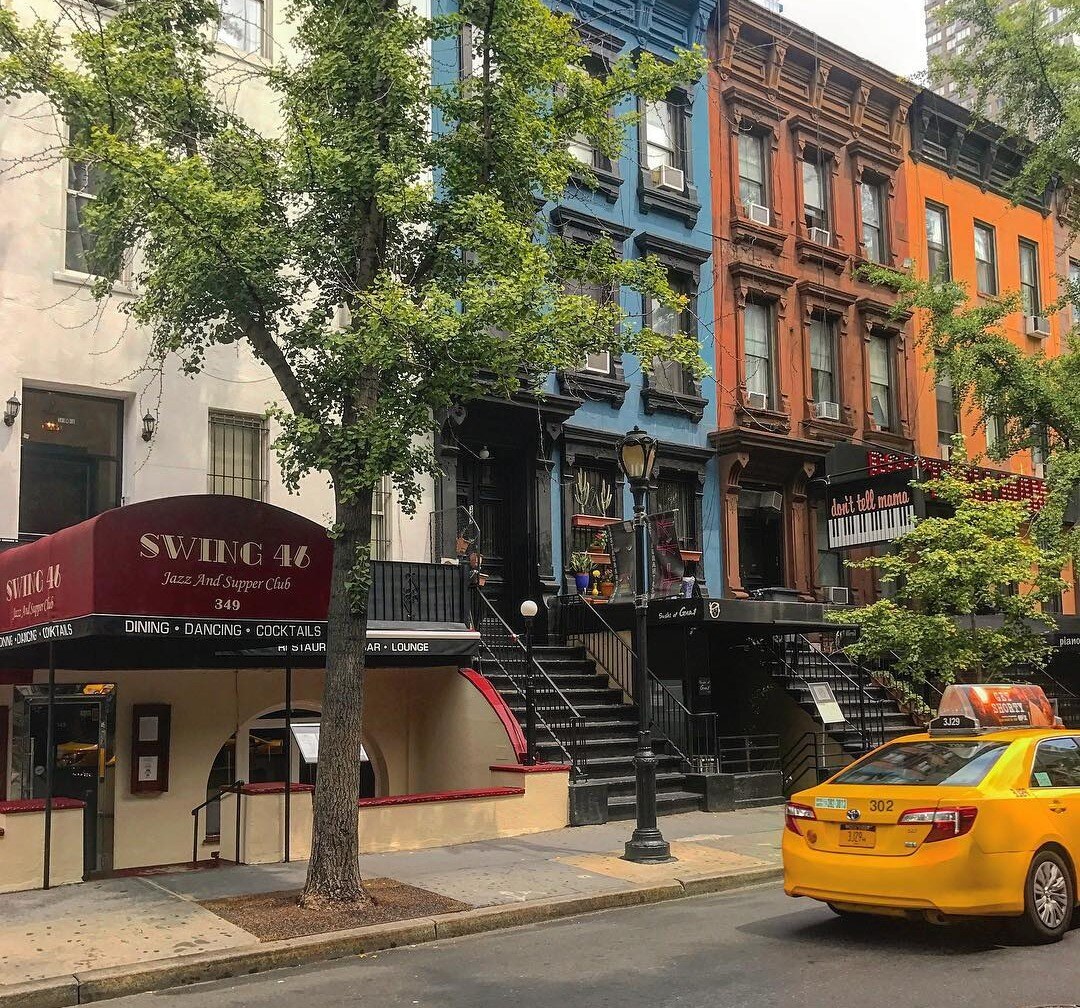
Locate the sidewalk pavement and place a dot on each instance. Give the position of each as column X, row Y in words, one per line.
column 136, row 920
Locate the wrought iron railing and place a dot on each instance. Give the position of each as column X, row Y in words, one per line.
column 811, row 759
column 692, row 736
column 555, row 714
column 747, row 753
column 1068, row 703
column 806, row 662
column 233, row 789
column 921, row 697
column 419, row 592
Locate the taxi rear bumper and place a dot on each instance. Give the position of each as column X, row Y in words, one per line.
column 953, row 877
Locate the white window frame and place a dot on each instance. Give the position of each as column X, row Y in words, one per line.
column 259, row 33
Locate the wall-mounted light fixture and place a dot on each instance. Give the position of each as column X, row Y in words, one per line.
column 149, row 425
column 483, row 454
column 11, row 410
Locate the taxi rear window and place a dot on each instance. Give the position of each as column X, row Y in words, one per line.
column 950, row 764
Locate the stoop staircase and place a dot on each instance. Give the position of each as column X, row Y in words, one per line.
column 588, row 718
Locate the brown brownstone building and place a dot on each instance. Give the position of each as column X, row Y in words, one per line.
column 809, row 148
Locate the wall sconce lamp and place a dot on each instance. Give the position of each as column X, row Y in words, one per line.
column 11, row 410
column 149, row 425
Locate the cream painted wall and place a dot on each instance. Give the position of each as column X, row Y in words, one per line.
column 21, row 859
column 424, row 729
column 56, row 336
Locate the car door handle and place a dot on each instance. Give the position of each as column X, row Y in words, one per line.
column 1059, row 808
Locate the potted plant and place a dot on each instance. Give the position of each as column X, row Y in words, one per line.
column 607, row 583
column 580, row 567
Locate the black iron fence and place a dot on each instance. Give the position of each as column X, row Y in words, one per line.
column 811, row 759
column 558, row 720
column 804, row 662
column 692, row 736
column 404, row 592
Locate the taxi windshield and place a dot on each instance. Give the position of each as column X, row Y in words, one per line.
column 951, row 764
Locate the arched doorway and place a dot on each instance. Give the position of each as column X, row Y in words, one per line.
column 261, row 750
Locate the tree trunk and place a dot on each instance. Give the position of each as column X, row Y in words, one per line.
column 333, row 872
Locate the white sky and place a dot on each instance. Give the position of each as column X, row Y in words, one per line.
column 890, row 33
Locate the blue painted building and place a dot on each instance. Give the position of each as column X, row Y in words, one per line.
column 542, row 475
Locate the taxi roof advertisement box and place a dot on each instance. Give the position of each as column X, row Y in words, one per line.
column 195, row 563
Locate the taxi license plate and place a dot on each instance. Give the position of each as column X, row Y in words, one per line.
column 857, row 835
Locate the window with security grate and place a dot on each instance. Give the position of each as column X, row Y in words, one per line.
column 237, row 456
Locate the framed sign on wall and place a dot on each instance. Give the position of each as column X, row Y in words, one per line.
column 150, row 727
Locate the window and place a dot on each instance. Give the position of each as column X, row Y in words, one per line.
column 680, row 496
column 1029, row 277
column 1057, row 764
column 881, row 380
column 669, row 375
column 948, row 414
column 381, row 502
column 1040, row 449
column 753, row 188
column 84, row 185
column 872, row 207
column 663, row 135
column 986, row 273
column 920, row 764
column 237, row 459
column 242, row 25
column 596, row 492
column 72, row 451
column 823, row 360
column 830, row 569
column 1074, row 289
column 938, row 259
column 596, row 363
column 995, row 434
column 581, row 146
column 815, row 176
column 757, row 350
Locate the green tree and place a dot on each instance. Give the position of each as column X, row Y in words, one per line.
column 968, row 588
column 375, row 264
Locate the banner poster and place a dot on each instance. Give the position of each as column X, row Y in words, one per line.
column 668, row 568
column 621, row 540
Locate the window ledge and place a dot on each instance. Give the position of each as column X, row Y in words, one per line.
column 767, row 419
column 748, row 232
column 592, row 385
column 688, row 404
column 238, row 56
column 606, row 183
column 824, row 255
column 87, row 280
column 685, row 205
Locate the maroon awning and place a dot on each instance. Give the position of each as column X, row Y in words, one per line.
column 203, row 570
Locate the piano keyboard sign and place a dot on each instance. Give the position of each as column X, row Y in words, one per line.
column 866, row 515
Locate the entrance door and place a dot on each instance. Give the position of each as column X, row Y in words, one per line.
column 494, row 489
column 83, row 727
column 761, row 544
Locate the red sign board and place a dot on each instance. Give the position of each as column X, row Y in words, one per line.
column 214, row 566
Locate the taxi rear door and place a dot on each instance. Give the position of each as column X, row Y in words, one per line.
column 1055, row 789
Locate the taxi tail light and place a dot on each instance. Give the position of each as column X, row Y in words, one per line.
column 794, row 813
column 944, row 823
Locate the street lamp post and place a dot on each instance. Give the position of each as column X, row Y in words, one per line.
column 528, row 611
column 637, row 456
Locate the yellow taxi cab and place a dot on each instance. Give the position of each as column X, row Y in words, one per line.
column 978, row 816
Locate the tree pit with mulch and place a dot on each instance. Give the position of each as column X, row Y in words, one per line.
column 274, row 915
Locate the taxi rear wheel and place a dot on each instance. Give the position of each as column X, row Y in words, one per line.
column 1049, row 899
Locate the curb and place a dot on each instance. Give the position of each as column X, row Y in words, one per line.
column 138, row 978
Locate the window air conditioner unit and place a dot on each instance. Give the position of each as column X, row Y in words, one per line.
column 945, row 451
column 821, row 236
column 757, row 400
column 1037, row 325
column 667, row 177
column 771, row 500
column 836, row 596
column 827, row 410
column 1038, row 470
column 759, row 214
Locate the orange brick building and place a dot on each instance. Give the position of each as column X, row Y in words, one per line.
column 809, row 164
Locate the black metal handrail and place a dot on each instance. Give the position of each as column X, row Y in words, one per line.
column 813, row 753
column 232, row 789
column 747, row 753
column 1068, row 703
column 692, row 736
column 806, row 662
column 922, row 697
column 554, row 711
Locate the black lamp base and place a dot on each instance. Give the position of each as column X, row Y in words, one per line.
column 647, row 846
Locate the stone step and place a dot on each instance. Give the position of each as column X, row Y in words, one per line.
column 621, row 809
column 621, row 787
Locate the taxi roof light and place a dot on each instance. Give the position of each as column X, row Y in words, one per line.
column 966, row 709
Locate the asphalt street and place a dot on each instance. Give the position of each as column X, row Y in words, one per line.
column 749, row 949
